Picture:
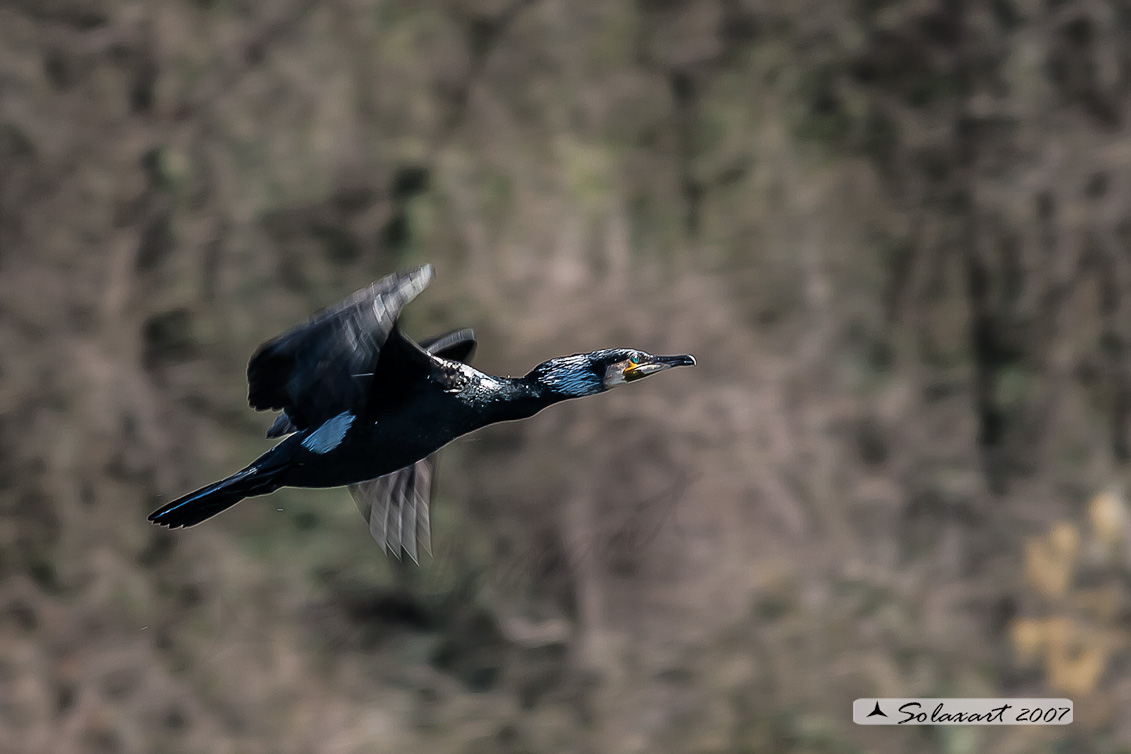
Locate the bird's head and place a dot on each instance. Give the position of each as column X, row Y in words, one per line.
column 591, row 373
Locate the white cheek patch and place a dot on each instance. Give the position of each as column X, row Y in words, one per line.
column 330, row 434
column 614, row 375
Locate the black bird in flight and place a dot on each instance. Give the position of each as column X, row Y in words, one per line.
column 366, row 406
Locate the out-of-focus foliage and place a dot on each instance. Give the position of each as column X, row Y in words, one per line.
column 1073, row 625
column 893, row 233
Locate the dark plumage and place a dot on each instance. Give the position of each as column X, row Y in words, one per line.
column 367, row 407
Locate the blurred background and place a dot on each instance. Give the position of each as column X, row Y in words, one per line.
column 895, row 235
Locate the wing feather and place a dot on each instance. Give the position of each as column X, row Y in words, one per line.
column 325, row 366
column 395, row 506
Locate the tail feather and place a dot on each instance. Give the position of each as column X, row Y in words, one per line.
column 216, row 497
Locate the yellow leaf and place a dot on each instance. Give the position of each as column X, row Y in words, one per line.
column 1064, row 538
column 1028, row 637
column 1074, row 658
column 1050, row 563
column 1075, row 670
column 1108, row 515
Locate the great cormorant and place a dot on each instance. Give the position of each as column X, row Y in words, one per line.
column 366, row 406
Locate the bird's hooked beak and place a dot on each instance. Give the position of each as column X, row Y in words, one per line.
column 651, row 364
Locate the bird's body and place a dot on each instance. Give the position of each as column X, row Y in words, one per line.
column 366, row 406
column 348, row 449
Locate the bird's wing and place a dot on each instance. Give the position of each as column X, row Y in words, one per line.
column 396, row 508
column 282, row 426
column 458, row 345
column 396, row 505
column 321, row 368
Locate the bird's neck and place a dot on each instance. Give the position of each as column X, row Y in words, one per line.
column 514, row 398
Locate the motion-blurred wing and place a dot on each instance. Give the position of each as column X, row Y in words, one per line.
column 396, row 508
column 324, row 367
column 458, row 345
column 396, row 505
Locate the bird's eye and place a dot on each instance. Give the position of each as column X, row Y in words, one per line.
column 634, row 358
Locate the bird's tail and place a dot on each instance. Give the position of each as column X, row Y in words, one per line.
column 216, row 497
